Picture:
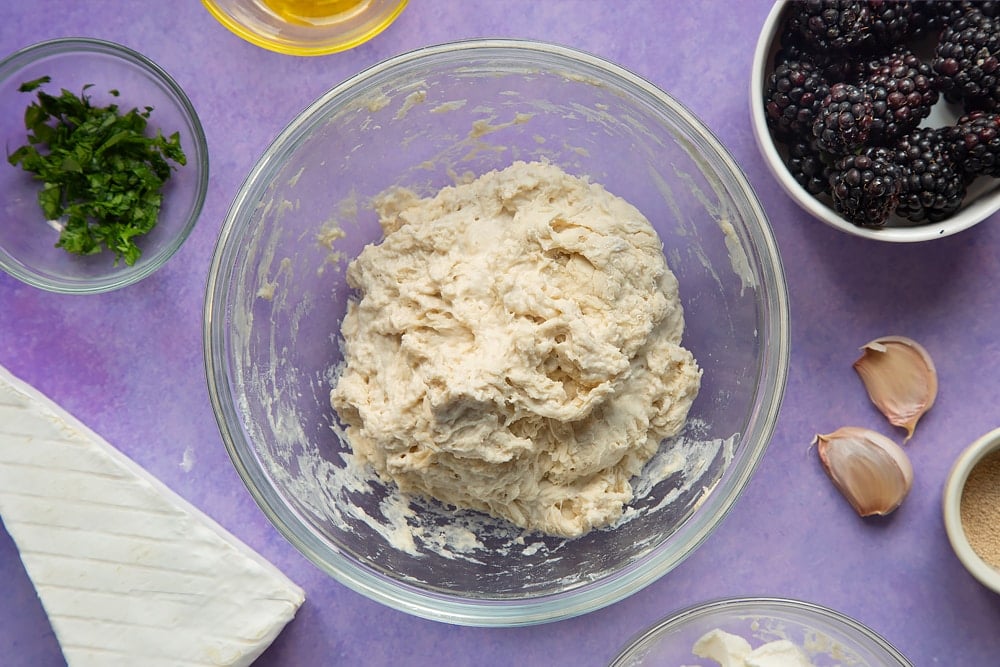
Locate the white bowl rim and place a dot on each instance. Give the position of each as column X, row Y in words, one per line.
column 749, row 605
column 773, row 368
column 952, row 502
column 973, row 212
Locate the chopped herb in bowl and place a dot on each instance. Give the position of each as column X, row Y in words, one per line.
column 102, row 173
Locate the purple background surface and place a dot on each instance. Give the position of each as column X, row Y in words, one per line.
column 129, row 363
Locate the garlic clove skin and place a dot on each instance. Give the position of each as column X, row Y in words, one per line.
column 900, row 378
column 869, row 469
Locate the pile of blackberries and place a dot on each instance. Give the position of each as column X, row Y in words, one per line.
column 847, row 97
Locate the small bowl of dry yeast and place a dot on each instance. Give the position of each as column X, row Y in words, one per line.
column 972, row 509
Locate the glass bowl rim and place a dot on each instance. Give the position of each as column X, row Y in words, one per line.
column 750, row 605
column 773, row 327
column 63, row 46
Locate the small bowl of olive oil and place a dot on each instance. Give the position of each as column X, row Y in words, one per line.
column 306, row 27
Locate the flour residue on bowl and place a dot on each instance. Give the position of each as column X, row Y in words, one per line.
column 738, row 260
column 412, row 100
column 344, row 492
column 445, row 107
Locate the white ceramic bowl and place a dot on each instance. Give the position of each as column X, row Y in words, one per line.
column 988, row 576
column 982, row 200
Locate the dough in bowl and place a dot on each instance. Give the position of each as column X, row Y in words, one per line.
column 514, row 348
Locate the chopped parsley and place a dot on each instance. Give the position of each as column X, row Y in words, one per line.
column 101, row 174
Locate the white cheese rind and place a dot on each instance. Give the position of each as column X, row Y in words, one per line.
column 128, row 572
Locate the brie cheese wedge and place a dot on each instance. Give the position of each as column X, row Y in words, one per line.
column 128, row 572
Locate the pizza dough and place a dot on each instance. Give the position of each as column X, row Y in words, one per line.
column 515, row 349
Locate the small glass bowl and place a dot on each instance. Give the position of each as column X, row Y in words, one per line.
column 828, row 637
column 27, row 239
column 276, row 25
column 986, row 574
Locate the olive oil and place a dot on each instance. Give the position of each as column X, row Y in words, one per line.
column 314, row 12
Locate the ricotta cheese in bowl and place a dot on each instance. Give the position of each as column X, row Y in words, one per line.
column 759, row 632
column 729, row 650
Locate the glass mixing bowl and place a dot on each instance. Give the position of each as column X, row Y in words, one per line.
column 827, row 637
column 276, row 296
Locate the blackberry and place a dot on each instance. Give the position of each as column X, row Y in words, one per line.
column 944, row 12
column 831, row 25
column 808, row 167
column 967, row 61
column 794, row 93
column 843, row 124
column 902, row 91
column 894, row 21
column 866, row 187
column 975, row 143
column 933, row 185
column 835, row 67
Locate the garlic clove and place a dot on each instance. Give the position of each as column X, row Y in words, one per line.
column 869, row 469
column 900, row 378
